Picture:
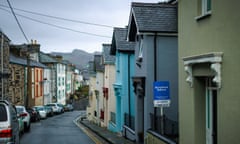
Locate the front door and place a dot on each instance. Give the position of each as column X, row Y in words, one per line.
column 211, row 113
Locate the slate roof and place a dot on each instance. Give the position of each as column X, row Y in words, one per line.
column 44, row 58
column 17, row 60
column 119, row 41
column 108, row 59
column 153, row 17
column 22, row 61
column 98, row 63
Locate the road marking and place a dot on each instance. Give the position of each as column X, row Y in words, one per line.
column 87, row 132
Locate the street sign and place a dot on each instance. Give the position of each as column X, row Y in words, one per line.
column 161, row 94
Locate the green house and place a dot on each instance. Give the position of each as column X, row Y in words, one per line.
column 209, row 100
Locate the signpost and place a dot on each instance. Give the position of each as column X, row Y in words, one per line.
column 161, row 94
column 161, row 98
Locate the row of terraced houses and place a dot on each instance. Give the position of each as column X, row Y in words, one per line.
column 189, row 46
column 30, row 77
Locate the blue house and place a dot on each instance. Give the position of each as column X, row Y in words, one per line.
column 154, row 29
column 123, row 88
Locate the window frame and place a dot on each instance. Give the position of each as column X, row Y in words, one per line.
column 205, row 7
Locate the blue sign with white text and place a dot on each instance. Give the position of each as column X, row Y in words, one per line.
column 161, row 93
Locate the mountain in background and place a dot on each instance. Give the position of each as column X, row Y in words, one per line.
column 77, row 57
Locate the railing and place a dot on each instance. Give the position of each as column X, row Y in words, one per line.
column 168, row 128
column 129, row 121
column 113, row 117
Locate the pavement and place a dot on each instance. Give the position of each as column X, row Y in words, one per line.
column 106, row 135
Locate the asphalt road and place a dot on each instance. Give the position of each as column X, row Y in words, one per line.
column 59, row 129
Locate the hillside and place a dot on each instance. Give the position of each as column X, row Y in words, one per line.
column 77, row 57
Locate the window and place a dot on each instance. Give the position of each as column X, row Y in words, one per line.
column 140, row 52
column 63, row 81
column 33, row 76
column 37, row 91
column 59, row 81
column 204, row 8
column 33, row 91
column 3, row 111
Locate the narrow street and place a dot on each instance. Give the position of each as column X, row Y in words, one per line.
column 59, row 129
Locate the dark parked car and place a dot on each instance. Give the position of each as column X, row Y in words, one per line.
column 33, row 114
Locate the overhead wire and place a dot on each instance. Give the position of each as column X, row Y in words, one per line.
column 19, row 25
column 60, row 18
column 57, row 26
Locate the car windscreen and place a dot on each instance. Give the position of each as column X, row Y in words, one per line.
column 3, row 113
column 50, row 104
column 40, row 108
column 20, row 110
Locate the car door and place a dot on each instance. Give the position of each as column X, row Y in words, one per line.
column 14, row 123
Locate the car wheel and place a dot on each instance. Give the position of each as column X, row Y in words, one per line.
column 27, row 127
column 17, row 139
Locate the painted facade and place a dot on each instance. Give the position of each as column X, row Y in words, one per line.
column 37, row 85
column 91, row 108
column 47, row 95
column 96, row 103
column 99, row 67
column 208, row 73
column 61, row 88
column 109, row 79
column 123, row 88
column 154, row 29
column 51, row 63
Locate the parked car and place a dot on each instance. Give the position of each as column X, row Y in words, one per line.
column 21, row 125
column 49, row 111
column 56, row 108
column 9, row 126
column 34, row 114
column 21, row 110
column 42, row 111
column 68, row 107
column 61, row 107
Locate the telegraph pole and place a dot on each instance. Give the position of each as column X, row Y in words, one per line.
column 2, row 64
column 28, row 79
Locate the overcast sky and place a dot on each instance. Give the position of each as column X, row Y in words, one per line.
column 113, row 13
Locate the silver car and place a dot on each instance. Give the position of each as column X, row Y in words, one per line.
column 21, row 110
column 42, row 111
column 9, row 126
column 56, row 108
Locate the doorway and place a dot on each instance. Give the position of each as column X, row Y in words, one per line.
column 211, row 112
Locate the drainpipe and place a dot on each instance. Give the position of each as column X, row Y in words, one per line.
column 155, row 74
column 129, row 98
column 155, row 79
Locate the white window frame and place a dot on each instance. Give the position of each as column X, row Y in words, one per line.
column 140, row 52
column 204, row 9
